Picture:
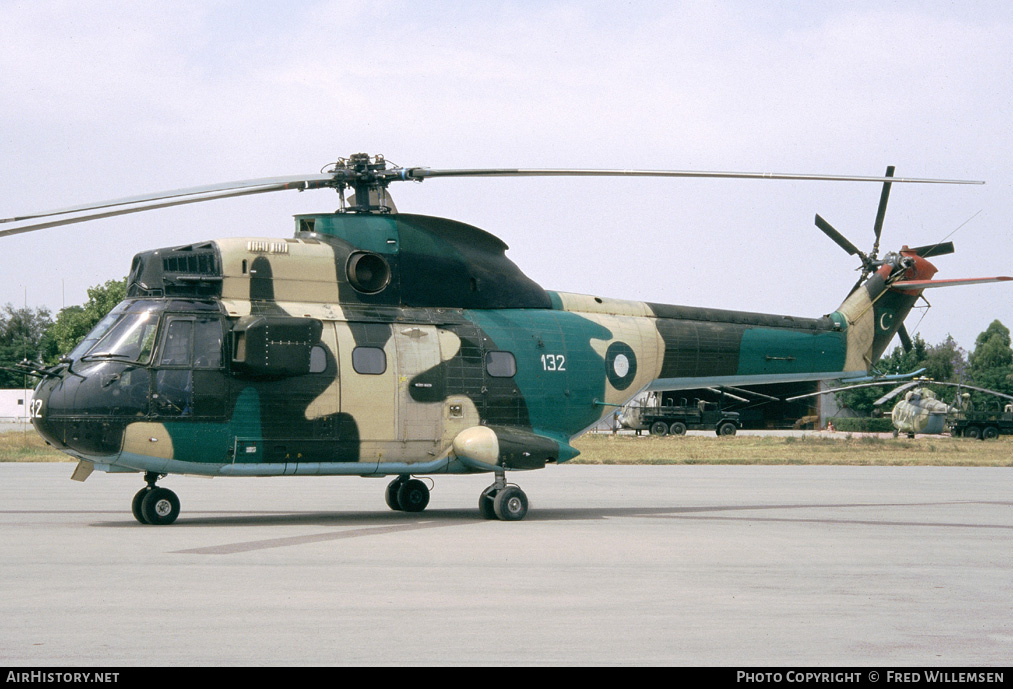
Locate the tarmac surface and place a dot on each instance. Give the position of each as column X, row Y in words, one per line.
column 645, row 565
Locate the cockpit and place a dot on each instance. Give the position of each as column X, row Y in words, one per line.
column 156, row 359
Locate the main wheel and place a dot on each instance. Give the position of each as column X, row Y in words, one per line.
column 511, row 504
column 160, row 506
column 726, row 428
column 659, row 428
column 972, row 432
column 413, row 496
column 135, row 505
column 391, row 494
column 677, row 428
column 990, row 433
column 485, row 502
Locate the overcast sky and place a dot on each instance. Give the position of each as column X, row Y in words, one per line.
column 109, row 99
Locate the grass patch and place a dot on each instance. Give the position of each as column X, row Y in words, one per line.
column 28, row 446
column 816, row 448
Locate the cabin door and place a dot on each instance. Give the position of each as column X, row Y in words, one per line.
column 420, row 387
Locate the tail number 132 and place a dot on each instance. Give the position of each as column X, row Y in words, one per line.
column 553, row 362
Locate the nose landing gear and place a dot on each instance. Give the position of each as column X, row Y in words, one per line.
column 501, row 501
column 154, row 505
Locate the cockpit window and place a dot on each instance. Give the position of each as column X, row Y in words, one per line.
column 131, row 337
column 176, row 347
column 207, row 345
column 97, row 332
column 199, row 336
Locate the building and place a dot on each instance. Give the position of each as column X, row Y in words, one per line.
column 15, row 405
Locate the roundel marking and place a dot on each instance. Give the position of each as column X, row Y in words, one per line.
column 620, row 365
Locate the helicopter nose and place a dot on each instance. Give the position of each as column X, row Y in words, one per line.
column 42, row 411
column 62, row 415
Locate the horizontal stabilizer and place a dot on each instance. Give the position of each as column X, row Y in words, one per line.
column 915, row 285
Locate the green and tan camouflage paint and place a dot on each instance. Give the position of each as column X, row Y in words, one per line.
column 451, row 299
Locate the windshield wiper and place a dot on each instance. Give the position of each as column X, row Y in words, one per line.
column 107, row 355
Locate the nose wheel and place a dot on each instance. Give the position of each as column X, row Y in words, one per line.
column 154, row 505
column 504, row 502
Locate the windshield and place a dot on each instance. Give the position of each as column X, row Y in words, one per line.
column 130, row 338
column 97, row 332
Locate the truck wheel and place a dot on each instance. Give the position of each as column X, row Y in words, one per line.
column 659, row 428
column 726, row 428
column 972, row 432
column 677, row 428
column 990, row 433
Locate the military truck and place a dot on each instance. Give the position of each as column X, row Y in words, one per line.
column 984, row 425
column 676, row 420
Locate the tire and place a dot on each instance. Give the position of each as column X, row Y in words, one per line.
column 390, row 495
column 726, row 428
column 511, row 504
column 972, row 432
column 659, row 428
column 413, row 496
column 990, row 433
column 160, row 507
column 135, row 505
column 677, row 428
column 485, row 503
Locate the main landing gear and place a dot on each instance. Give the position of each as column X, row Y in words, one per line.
column 407, row 494
column 154, row 505
column 498, row 501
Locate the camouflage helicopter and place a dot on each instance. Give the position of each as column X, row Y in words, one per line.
column 920, row 410
column 376, row 343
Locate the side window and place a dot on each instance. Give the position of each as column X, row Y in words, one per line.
column 500, row 364
column 207, row 343
column 318, row 360
column 369, row 360
column 176, row 343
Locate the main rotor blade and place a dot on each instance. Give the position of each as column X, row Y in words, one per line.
column 896, row 391
column 425, row 173
column 840, row 389
column 750, row 392
column 972, row 387
column 147, row 207
column 275, row 183
column 839, row 238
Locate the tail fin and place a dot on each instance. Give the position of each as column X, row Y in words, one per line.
column 875, row 310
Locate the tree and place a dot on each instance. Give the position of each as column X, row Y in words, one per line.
column 945, row 362
column 991, row 362
column 74, row 322
column 23, row 335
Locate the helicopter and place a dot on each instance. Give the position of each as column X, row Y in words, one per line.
column 919, row 410
column 380, row 343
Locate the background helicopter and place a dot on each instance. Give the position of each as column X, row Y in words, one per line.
column 382, row 343
column 920, row 410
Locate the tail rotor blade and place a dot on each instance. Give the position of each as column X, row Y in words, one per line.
column 881, row 213
column 934, row 250
column 905, row 339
